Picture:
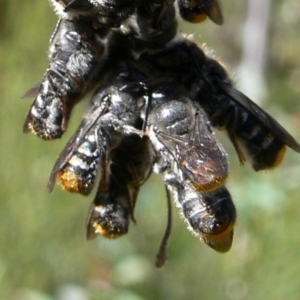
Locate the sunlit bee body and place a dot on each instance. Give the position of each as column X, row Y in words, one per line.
column 131, row 163
column 110, row 115
column 77, row 55
column 79, row 172
column 182, row 133
column 124, row 171
column 188, row 148
column 104, row 135
column 77, row 165
column 210, row 216
column 194, row 164
column 255, row 135
column 128, row 166
column 196, row 11
column 81, row 46
column 109, row 214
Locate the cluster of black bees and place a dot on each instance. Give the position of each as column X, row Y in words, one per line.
column 155, row 98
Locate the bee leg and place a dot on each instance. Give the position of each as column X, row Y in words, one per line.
column 56, row 29
column 162, row 254
column 91, row 232
column 132, row 201
column 237, row 148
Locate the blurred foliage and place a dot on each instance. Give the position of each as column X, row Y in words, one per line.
column 43, row 251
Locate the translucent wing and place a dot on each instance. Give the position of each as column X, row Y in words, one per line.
column 214, row 11
column 257, row 112
column 200, row 158
column 85, row 128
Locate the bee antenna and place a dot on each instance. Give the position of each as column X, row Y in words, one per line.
column 53, row 35
column 162, row 254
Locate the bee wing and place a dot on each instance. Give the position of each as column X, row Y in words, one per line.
column 213, row 10
column 262, row 116
column 205, row 159
column 198, row 155
column 91, row 217
column 32, row 92
column 86, row 125
column 26, row 127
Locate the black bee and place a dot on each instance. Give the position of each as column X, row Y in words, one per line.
column 175, row 85
column 82, row 52
column 77, row 56
column 195, row 165
column 80, row 48
column 180, row 130
column 196, row 11
column 254, row 134
column 109, row 213
column 126, row 168
column 77, row 166
column 112, row 114
column 127, row 163
column 210, row 215
column 191, row 79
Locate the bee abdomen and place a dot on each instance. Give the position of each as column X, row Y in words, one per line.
column 110, row 220
column 211, row 216
column 262, row 147
column 46, row 115
column 78, row 175
column 75, row 59
column 191, row 13
column 110, row 213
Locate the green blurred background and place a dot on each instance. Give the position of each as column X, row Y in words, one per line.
column 43, row 250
